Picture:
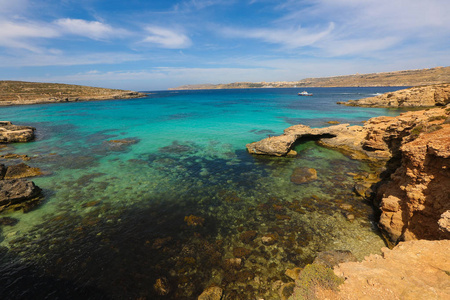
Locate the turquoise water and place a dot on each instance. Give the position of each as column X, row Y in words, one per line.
column 162, row 188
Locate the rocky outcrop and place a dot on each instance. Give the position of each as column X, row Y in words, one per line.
column 412, row 270
column 414, row 198
column 417, row 196
column 18, row 193
column 10, row 133
column 421, row 96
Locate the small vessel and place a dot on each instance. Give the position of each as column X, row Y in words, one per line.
column 305, row 93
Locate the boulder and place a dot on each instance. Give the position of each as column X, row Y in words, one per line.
column 16, row 192
column 10, row 133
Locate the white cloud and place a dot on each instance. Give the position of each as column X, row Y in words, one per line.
column 58, row 58
column 289, row 38
column 18, row 35
column 92, row 29
column 166, row 38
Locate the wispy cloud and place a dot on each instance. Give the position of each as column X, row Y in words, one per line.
column 20, row 34
column 59, row 58
column 92, row 29
column 166, row 38
column 289, row 38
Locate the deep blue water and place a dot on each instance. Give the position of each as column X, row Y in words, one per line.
column 126, row 178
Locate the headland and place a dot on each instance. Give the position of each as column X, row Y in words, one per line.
column 23, row 93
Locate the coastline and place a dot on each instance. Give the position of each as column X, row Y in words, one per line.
column 268, row 238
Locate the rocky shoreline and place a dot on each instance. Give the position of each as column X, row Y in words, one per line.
column 16, row 192
column 412, row 196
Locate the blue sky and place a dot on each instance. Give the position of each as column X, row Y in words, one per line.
column 157, row 44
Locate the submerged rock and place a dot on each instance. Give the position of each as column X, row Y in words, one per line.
column 21, row 171
column 162, row 286
column 330, row 259
column 303, row 175
column 211, row 293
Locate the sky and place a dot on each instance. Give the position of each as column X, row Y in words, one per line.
column 157, row 44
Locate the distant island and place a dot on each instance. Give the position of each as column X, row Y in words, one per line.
column 398, row 78
column 21, row 92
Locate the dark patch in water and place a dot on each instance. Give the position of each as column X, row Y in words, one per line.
column 177, row 148
column 181, row 116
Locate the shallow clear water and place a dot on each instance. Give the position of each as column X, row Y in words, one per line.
column 119, row 216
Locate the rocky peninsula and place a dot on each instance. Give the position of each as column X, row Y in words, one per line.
column 420, row 96
column 22, row 93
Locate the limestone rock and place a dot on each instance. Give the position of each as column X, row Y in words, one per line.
column 10, row 133
column 421, row 96
column 17, row 192
column 412, row 270
column 444, row 221
column 413, row 201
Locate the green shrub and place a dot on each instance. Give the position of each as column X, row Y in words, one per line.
column 435, row 118
column 312, row 277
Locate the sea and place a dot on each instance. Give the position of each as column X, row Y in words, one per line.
column 157, row 197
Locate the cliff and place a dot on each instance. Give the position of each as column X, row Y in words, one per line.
column 20, row 92
column 421, row 96
column 398, row 78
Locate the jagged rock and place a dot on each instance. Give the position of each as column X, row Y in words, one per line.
column 418, row 193
column 412, row 270
column 444, row 221
column 10, row 133
column 17, row 192
column 303, row 175
column 422, row 96
column 211, row 293
column 21, row 171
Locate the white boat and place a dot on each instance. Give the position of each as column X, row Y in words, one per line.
column 305, row 93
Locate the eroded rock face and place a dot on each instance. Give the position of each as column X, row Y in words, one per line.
column 412, row 270
column 10, row 133
column 422, row 96
column 418, row 194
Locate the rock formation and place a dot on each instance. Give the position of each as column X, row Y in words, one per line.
column 418, row 192
column 415, row 146
column 10, row 133
column 420, row 96
column 412, row 270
